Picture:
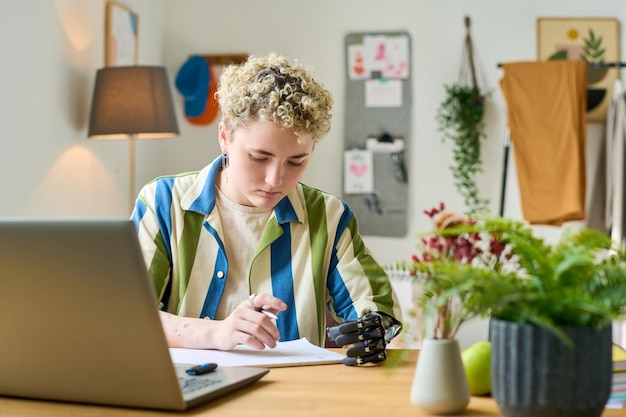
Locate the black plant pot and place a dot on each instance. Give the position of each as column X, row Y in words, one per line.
column 534, row 373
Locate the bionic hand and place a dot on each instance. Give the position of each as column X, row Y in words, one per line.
column 368, row 336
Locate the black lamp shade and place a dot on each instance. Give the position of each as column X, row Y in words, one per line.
column 133, row 101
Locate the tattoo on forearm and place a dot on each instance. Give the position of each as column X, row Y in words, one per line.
column 179, row 328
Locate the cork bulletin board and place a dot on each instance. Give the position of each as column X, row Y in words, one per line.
column 377, row 129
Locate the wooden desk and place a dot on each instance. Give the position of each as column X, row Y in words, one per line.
column 320, row 391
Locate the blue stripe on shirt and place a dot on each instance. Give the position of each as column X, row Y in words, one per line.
column 205, row 201
column 342, row 302
column 216, row 288
column 163, row 206
column 138, row 213
column 285, row 211
column 282, row 284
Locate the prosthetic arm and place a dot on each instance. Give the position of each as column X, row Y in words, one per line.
column 368, row 336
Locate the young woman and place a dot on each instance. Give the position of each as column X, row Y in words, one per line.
column 243, row 241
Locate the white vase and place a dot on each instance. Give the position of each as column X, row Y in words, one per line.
column 439, row 384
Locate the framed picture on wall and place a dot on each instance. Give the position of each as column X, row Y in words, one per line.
column 593, row 40
column 121, row 35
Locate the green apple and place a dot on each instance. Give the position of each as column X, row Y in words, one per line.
column 477, row 363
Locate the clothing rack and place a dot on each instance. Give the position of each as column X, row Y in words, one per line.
column 607, row 64
column 507, row 141
column 598, row 64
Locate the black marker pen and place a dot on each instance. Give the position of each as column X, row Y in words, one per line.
column 205, row 368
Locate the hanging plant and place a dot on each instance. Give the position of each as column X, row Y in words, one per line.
column 460, row 118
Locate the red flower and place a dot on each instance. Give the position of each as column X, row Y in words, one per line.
column 464, row 247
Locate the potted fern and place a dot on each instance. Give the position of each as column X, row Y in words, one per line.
column 551, row 307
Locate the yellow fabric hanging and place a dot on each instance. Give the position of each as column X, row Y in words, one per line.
column 547, row 119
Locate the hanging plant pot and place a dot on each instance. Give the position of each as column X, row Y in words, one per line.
column 534, row 373
column 463, row 110
column 460, row 118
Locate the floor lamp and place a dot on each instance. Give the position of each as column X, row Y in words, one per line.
column 132, row 103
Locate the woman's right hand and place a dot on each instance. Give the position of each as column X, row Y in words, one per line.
column 246, row 325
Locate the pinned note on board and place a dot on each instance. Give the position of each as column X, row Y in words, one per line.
column 382, row 92
column 379, row 56
column 358, row 171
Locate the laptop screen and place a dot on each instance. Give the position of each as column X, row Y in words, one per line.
column 79, row 316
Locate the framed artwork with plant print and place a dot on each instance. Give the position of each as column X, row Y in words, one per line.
column 593, row 40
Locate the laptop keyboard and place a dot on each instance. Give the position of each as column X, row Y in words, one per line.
column 190, row 384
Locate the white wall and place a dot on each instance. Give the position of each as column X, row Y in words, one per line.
column 51, row 50
column 314, row 32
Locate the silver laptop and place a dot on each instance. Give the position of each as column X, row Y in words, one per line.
column 79, row 321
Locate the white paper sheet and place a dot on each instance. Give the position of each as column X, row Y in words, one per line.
column 383, row 93
column 294, row 353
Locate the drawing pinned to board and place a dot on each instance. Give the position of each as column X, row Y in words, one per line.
column 379, row 56
column 591, row 40
column 358, row 171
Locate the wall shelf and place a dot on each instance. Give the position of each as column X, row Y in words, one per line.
column 225, row 59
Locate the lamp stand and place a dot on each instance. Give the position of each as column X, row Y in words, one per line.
column 131, row 171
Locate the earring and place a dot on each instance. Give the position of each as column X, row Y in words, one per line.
column 225, row 163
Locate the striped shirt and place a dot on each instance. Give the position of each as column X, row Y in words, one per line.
column 310, row 255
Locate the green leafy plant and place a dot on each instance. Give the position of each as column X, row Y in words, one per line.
column 485, row 265
column 593, row 53
column 460, row 120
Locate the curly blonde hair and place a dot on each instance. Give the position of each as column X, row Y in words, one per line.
column 270, row 88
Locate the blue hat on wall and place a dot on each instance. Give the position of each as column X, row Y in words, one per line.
column 192, row 81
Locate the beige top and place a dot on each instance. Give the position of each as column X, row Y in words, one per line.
column 243, row 227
